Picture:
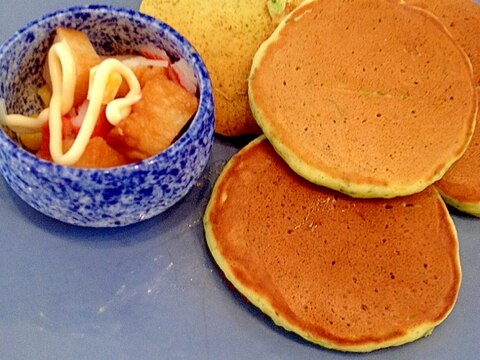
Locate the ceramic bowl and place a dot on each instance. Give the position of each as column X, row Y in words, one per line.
column 110, row 197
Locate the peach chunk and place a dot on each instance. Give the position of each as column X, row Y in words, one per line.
column 98, row 154
column 143, row 73
column 85, row 58
column 155, row 120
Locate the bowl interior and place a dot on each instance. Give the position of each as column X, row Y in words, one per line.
column 112, row 31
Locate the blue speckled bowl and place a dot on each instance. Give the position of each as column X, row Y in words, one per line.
column 109, row 197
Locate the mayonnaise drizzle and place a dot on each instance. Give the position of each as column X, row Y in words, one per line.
column 120, row 108
column 22, row 124
column 63, row 77
column 62, row 72
column 116, row 110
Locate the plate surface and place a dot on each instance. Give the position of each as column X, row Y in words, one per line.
column 152, row 290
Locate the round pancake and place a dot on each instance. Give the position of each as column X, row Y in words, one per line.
column 462, row 20
column 371, row 98
column 226, row 34
column 348, row 274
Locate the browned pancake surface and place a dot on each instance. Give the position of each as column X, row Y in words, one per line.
column 463, row 178
column 462, row 20
column 461, row 184
column 350, row 274
column 371, row 98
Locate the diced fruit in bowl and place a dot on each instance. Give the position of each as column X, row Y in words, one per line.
column 119, row 141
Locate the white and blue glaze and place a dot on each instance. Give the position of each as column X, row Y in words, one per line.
column 107, row 197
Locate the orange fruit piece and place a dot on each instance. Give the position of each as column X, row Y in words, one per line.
column 98, row 154
column 85, row 58
column 156, row 120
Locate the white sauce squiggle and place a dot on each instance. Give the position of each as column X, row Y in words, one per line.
column 63, row 77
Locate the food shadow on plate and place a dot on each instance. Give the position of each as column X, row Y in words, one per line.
column 237, row 142
column 455, row 213
column 183, row 217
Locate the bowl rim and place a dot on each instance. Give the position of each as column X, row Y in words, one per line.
column 205, row 105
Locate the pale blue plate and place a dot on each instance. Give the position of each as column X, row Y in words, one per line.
column 152, row 291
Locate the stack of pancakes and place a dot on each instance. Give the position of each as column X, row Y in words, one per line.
column 333, row 221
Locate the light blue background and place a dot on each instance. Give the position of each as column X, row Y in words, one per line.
column 152, row 291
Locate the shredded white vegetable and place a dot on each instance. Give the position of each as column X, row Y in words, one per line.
column 140, row 61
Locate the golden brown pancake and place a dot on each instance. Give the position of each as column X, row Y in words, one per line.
column 348, row 274
column 460, row 186
column 462, row 20
column 371, row 98
column 226, row 34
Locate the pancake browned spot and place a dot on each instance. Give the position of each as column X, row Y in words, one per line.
column 226, row 34
column 348, row 274
column 372, row 98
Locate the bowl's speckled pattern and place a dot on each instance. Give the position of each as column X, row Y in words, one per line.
column 108, row 197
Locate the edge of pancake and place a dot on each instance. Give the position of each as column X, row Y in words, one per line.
column 266, row 307
column 462, row 197
column 322, row 178
column 461, row 9
column 472, row 208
